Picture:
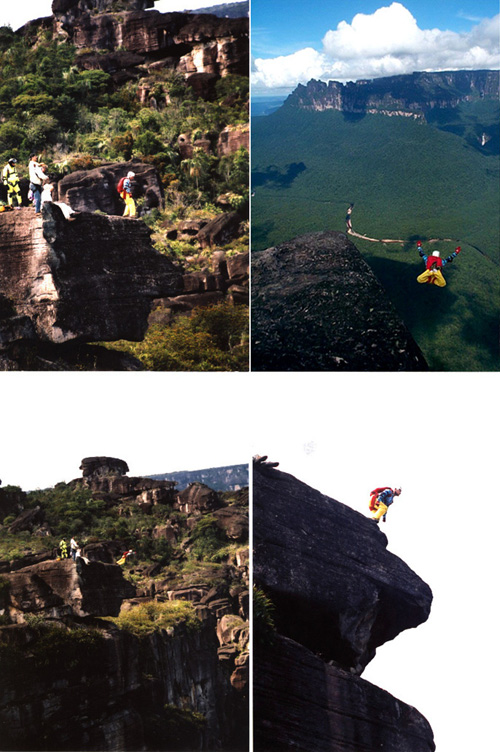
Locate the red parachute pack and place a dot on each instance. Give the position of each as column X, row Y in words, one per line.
column 119, row 187
column 374, row 494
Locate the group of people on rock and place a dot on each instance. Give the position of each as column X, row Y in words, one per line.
column 74, row 549
column 75, row 552
column 41, row 188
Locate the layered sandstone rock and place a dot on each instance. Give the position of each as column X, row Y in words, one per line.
column 95, row 190
column 189, row 43
column 89, row 278
column 317, row 306
column 337, row 594
column 196, row 498
column 61, row 588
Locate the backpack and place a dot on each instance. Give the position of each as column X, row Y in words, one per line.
column 434, row 260
column 374, row 496
column 119, row 187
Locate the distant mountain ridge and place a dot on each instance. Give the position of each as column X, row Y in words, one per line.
column 227, row 478
column 227, row 10
column 413, row 95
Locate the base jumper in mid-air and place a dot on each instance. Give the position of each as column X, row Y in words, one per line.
column 433, row 265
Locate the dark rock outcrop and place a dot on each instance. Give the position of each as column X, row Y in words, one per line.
column 94, row 467
column 63, row 588
column 89, row 278
column 95, row 190
column 196, row 498
column 337, row 595
column 317, row 306
column 186, row 42
column 340, row 592
column 301, row 703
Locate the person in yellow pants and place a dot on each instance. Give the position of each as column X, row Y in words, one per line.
column 10, row 178
column 130, row 208
column 383, row 502
column 433, row 265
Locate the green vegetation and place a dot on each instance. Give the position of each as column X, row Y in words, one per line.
column 67, row 653
column 212, row 339
column 408, row 181
column 263, row 617
column 78, row 119
column 153, row 616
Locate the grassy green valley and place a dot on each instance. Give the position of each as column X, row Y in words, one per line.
column 408, row 180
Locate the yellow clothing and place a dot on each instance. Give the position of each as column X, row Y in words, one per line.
column 433, row 277
column 10, row 178
column 380, row 511
column 129, row 206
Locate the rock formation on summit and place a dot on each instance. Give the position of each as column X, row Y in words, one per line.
column 337, row 595
column 317, row 306
column 193, row 44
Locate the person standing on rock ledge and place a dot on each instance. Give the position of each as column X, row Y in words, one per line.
column 380, row 501
column 37, row 178
column 10, row 178
column 348, row 221
column 130, row 209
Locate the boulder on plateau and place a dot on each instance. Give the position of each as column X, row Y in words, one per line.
column 337, row 589
column 101, row 466
column 317, row 306
column 95, row 190
column 88, row 278
column 198, row 497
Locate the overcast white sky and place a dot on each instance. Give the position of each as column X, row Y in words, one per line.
column 436, row 436
column 155, row 422
column 359, row 43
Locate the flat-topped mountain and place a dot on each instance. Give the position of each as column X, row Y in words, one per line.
column 412, row 95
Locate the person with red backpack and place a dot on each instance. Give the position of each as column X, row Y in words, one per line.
column 433, row 265
column 380, row 501
column 124, row 188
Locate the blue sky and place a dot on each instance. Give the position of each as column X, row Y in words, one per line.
column 295, row 41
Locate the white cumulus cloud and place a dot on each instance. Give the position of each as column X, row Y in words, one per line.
column 386, row 42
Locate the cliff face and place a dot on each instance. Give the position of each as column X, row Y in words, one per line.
column 73, row 680
column 317, row 306
column 408, row 95
column 338, row 594
column 192, row 44
column 90, row 277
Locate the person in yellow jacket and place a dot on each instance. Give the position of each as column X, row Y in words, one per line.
column 10, row 178
column 63, row 549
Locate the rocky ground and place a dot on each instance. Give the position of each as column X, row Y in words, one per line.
column 317, row 306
